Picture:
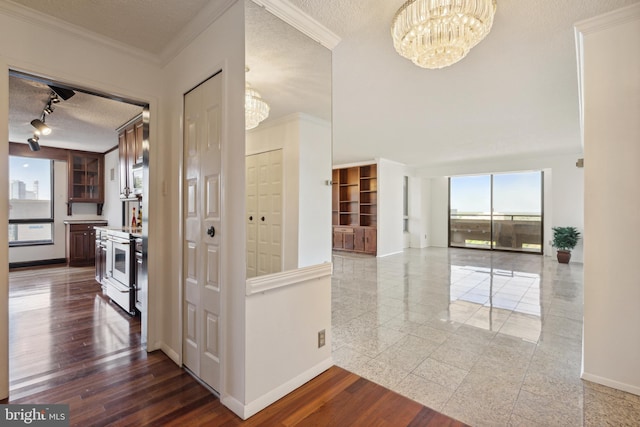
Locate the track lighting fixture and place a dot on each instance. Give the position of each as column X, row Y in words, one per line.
column 33, row 143
column 56, row 94
column 62, row 92
column 41, row 127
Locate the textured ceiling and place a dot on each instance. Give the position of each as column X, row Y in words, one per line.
column 291, row 71
column 145, row 24
column 83, row 122
column 515, row 94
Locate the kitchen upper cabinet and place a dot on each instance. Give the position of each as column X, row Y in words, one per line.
column 86, row 179
column 130, row 141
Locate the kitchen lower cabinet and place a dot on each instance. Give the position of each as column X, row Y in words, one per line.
column 81, row 243
column 101, row 257
column 138, row 275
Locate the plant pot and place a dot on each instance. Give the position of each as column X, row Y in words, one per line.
column 564, row 257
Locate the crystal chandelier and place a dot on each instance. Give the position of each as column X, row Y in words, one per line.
column 255, row 109
column 438, row 33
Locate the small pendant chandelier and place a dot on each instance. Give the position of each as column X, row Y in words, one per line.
column 437, row 33
column 255, row 108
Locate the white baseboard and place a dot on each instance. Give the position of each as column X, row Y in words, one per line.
column 234, row 405
column 611, row 383
column 252, row 408
column 173, row 355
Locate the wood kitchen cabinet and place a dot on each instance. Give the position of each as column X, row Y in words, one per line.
column 354, row 208
column 81, row 244
column 86, row 179
column 130, row 149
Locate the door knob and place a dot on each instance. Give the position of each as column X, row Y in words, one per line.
column 211, row 231
column 262, row 218
column 251, row 218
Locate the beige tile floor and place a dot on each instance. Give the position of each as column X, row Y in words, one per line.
column 487, row 338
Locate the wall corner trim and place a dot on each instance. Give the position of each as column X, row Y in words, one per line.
column 277, row 393
column 298, row 19
column 269, row 282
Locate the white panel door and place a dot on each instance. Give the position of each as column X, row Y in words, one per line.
column 252, row 214
column 264, row 213
column 202, row 230
column 270, row 207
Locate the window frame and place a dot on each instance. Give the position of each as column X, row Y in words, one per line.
column 50, row 220
column 405, row 204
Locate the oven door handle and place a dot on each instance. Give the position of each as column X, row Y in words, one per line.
column 118, row 286
column 119, row 240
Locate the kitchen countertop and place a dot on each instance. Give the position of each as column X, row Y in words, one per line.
column 133, row 231
column 85, row 221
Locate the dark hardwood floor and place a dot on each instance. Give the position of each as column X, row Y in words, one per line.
column 69, row 344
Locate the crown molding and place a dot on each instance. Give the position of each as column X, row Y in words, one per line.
column 301, row 21
column 34, row 17
column 194, row 28
column 608, row 20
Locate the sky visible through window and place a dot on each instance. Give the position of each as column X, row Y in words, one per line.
column 28, row 170
column 513, row 193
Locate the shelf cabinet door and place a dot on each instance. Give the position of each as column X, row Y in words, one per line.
column 130, row 152
column 371, row 240
column 359, row 236
column 86, row 177
column 137, row 151
column 338, row 240
column 349, row 241
column 124, row 168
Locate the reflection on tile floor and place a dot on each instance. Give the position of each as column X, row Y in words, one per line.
column 487, row 338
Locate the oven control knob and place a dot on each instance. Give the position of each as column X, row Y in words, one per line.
column 211, row 231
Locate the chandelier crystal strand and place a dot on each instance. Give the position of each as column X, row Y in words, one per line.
column 438, row 33
column 256, row 109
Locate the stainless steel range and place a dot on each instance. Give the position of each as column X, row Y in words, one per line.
column 120, row 279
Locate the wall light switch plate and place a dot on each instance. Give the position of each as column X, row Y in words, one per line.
column 321, row 338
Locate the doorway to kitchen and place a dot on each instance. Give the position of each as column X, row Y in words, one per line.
column 76, row 125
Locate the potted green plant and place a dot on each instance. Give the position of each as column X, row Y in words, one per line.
column 565, row 239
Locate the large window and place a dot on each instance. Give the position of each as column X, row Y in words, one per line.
column 501, row 211
column 30, row 201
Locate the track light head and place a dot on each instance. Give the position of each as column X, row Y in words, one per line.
column 48, row 110
column 41, row 127
column 62, row 92
column 33, row 143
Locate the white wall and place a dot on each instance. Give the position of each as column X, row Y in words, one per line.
column 419, row 212
column 390, row 206
column 439, row 212
column 314, row 235
column 563, row 187
column 611, row 340
column 282, row 335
